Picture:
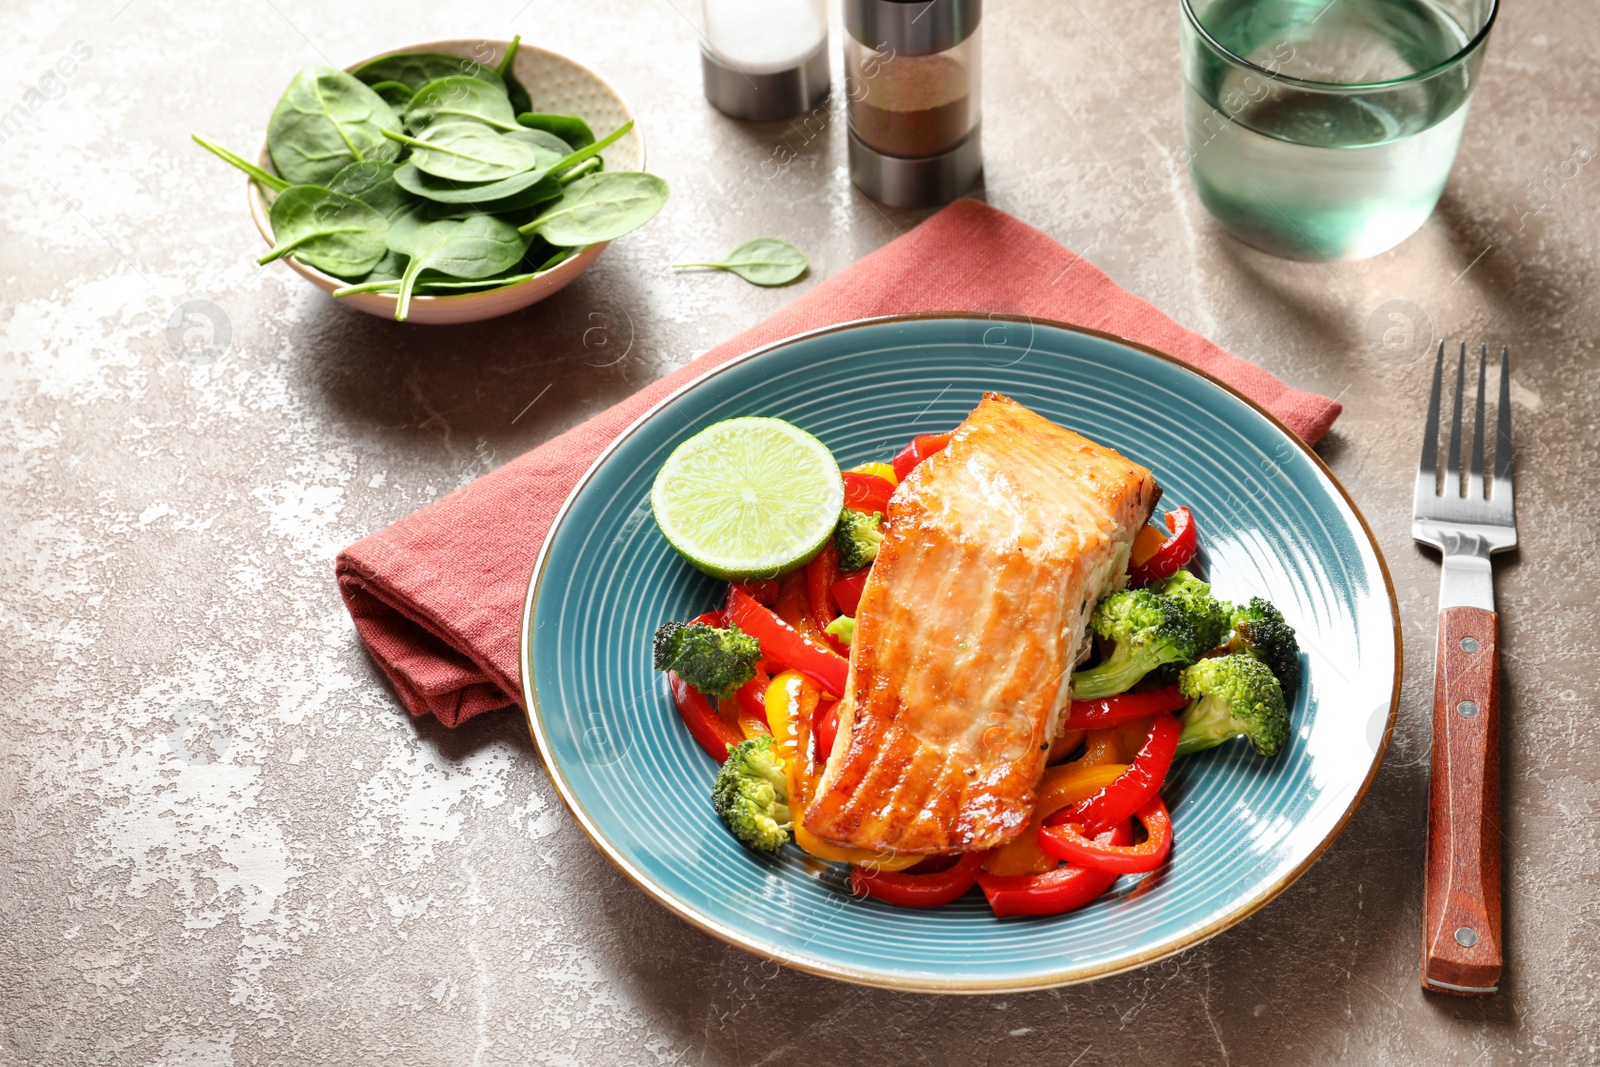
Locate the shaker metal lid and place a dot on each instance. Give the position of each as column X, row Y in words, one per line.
column 912, row 27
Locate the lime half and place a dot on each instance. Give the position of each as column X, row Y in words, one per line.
column 748, row 498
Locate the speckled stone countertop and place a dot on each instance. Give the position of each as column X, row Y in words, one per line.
column 224, row 842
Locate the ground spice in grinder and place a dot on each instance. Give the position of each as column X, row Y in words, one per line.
column 913, row 106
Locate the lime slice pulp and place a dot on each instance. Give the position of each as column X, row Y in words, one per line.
column 748, row 498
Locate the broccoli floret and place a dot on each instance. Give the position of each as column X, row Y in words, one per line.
column 714, row 661
column 1210, row 617
column 1231, row 696
column 1148, row 631
column 856, row 537
column 1259, row 629
column 751, row 795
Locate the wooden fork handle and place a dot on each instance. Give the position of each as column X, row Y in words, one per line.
column 1461, row 887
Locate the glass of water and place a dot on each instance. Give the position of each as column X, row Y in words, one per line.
column 1325, row 129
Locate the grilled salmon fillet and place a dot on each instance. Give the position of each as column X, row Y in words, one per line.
column 995, row 552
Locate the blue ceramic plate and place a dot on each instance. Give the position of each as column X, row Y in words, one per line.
column 1272, row 520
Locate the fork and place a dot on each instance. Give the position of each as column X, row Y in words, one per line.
column 1461, row 877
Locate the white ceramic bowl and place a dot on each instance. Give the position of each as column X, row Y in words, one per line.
column 556, row 85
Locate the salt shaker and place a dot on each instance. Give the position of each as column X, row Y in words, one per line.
column 764, row 60
column 912, row 76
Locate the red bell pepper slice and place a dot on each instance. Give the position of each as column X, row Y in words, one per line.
column 782, row 642
column 825, row 727
column 1068, row 843
column 919, row 890
column 704, row 724
column 752, row 696
column 921, row 447
column 1134, row 788
column 847, row 592
column 867, row 492
column 1124, row 707
column 761, row 590
column 1178, row 549
column 821, row 573
column 1066, row 888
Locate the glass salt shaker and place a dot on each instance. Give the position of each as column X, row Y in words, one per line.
column 764, row 60
column 912, row 76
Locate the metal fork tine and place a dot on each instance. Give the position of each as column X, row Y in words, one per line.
column 1452, row 457
column 1475, row 471
column 1428, row 471
column 1503, row 449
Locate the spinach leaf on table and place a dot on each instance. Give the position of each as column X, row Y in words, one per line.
column 570, row 128
column 460, row 98
column 600, row 207
column 325, row 120
column 416, row 69
column 761, row 261
column 266, row 178
column 475, row 247
column 327, row 230
column 469, row 152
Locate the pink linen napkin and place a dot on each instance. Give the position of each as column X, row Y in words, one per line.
column 437, row 597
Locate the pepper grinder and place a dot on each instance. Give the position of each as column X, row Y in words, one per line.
column 764, row 60
column 912, row 76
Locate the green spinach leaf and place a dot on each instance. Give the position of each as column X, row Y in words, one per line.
column 266, row 178
column 373, row 184
column 327, row 230
column 458, row 99
column 416, row 69
column 547, row 141
column 570, row 128
column 396, row 94
column 514, row 90
column 600, row 207
column 761, row 261
column 469, row 152
column 325, row 120
column 446, row 191
column 537, row 184
column 472, row 248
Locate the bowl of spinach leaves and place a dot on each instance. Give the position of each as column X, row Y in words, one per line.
column 451, row 181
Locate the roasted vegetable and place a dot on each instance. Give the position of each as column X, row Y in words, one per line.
column 713, row 660
column 857, row 537
column 1259, row 629
column 1147, row 631
column 1211, row 618
column 1233, row 696
column 751, row 795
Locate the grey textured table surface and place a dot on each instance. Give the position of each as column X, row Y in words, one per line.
column 224, row 842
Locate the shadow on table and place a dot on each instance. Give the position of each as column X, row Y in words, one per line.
column 458, row 744
column 508, row 382
column 1329, row 968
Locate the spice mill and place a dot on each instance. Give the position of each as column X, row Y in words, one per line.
column 912, row 78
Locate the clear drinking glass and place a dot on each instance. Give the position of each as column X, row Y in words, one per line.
column 1326, row 129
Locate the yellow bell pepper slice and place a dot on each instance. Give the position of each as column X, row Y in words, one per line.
column 881, row 470
column 791, row 699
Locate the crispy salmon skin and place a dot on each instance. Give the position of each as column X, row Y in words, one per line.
column 995, row 552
